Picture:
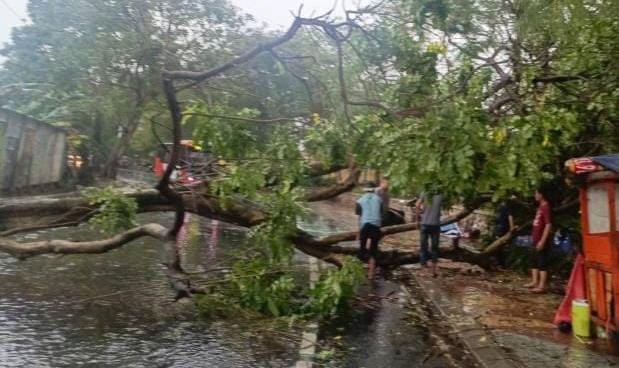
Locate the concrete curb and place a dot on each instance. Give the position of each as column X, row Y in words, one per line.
column 471, row 333
column 309, row 337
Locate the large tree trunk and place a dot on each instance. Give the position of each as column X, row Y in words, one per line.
column 72, row 210
column 238, row 211
column 122, row 144
column 119, row 149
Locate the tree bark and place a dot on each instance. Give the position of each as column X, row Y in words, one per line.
column 55, row 246
column 121, row 145
column 320, row 194
column 245, row 213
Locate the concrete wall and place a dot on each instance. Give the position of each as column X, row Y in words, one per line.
column 31, row 152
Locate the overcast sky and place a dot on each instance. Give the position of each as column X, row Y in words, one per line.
column 274, row 12
column 12, row 13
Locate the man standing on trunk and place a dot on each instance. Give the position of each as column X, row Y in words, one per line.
column 542, row 226
column 430, row 227
column 370, row 211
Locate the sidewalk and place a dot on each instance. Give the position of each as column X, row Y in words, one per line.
column 502, row 324
column 508, row 330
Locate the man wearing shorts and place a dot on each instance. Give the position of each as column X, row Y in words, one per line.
column 542, row 226
column 370, row 210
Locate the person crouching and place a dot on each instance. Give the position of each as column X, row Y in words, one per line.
column 370, row 209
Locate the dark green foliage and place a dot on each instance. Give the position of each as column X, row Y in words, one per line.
column 333, row 290
column 116, row 211
column 465, row 98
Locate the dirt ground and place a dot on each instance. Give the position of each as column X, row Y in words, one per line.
column 499, row 300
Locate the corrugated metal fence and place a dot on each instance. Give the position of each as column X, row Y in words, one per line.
column 31, row 152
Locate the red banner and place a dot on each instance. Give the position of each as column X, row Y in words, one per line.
column 582, row 165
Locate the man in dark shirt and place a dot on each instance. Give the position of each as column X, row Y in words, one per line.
column 542, row 226
column 430, row 228
column 383, row 192
column 504, row 223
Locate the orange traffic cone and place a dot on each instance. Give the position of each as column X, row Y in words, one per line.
column 158, row 167
column 575, row 290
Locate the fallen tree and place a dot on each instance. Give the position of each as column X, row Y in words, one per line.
column 236, row 211
column 246, row 214
column 234, row 207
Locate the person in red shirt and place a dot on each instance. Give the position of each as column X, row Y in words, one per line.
column 542, row 227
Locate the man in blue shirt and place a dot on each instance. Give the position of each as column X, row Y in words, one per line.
column 370, row 210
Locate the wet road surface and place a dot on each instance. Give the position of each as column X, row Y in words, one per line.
column 386, row 326
column 116, row 310
column 390, row 328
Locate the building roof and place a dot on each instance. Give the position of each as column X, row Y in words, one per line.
column 583, row 165
column 610, row 162
column 10, row 116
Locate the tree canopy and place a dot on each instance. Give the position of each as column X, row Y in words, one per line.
column 475, row 99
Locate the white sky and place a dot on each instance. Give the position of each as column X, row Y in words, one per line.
column 274, row 12
column 11, row 14
column 277, row 12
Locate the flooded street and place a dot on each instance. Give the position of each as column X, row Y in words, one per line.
column 117, row 310
column 366, row 183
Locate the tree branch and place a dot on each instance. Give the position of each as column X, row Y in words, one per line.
column 239, row 118
column 242, row 212
column 321, row 194
column 26, row 250
column 201, row 76
column 301, row 79
column 396, row 229
column 557, row 78
column 164, row 184
column 319, row 169
column 342, row 80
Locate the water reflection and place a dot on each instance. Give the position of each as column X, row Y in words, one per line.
column 116, row 309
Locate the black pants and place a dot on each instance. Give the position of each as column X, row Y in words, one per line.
column 431, row 232
column 372, row 233
column 501, row 254
column 542, row 257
